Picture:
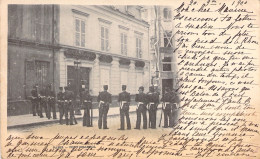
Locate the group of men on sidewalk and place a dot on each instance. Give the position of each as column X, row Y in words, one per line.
column 46, row 100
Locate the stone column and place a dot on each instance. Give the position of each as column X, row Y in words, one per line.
column 132, row 78
column 115, row 77
column 62, row 68
column 96, row 77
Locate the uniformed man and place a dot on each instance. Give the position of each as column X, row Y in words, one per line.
column 141, row 108
column 69, row 97
column 104, row 99
column 51, row 102
column 152, row 103
column 35, row 100
column 43, row 102
column 167, row 100
column 87, row 106
column 124, row 102
column 176, row 102
column 60, row 100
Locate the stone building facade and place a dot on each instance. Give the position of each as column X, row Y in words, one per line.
column 69, row 45
column 111, row 43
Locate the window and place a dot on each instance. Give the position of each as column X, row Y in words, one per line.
column 104, row 39
column 138, row 48
column 80, row 32
column 123, row 44
column 167, row 14
column 167, row 40
column 167, row 63
column 42, row 72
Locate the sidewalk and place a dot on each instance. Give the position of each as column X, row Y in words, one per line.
column 30, row 120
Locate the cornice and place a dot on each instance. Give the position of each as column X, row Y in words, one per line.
column 104, row 21
column 123, row 15
column 80, row 12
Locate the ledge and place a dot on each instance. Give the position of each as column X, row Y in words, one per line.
column 123, row 27
column 104, row 21
column 80, row 12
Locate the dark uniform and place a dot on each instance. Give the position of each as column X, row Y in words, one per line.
column 60, row 100
column 35, row 101
column 124, row 102
column 51, row 103
column 152, row 103
column 43, row 103
column 141, row 108
column 104, row 99
column 69, row 97
column 87, row 105
column 167, row 104
column 176, row 101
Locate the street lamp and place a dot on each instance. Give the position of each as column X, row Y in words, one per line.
column 77, row 93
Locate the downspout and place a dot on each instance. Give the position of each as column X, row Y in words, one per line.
column 53, row 51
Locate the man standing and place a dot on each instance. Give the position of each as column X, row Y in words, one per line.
column 141, row 108
column 167, row 100
column 51, row 102
column 87, row 105
column 69, row 97
column 124, row 102
column 43, row 102
column 153, row 101
column 176, row 102
column 60, row 100
column 104, row 99
column 35, row 101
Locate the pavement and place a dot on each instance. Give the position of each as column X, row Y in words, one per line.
column 30, row 120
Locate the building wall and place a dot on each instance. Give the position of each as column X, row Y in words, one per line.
column 30, row 47
column 94, row 18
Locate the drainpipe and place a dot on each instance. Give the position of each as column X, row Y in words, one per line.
column 53, row 51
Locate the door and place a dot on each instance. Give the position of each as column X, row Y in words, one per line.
column 77, row 77
column 166, row 83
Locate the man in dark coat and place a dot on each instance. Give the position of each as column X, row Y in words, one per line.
column 141, row 108
column 60, row 100
column 124, row 102
column 167, row 100
column 87, row 105
column 104, row 99
column 69, row 98
column 35, row 101
column 43, row 102
column 175, row 106
column 152, row 104
column 51, row 102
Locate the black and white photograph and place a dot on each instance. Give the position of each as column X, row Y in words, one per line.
column 175, row 80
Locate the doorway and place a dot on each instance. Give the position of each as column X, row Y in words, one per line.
column 78, row 77
column 166, row 83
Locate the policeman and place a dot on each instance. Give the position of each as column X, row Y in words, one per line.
column 43, row 102
column 124, row 102
column 35, row 100
column 104, row 99
column 152, row 103
column 69, row 97
column 167, row 100
column 51, row 102
column 87, row 105
column 60, row 100
column 176, row 102
column 141, row 108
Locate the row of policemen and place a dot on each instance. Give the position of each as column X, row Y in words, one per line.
column 43, row 99
column 145, row 102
